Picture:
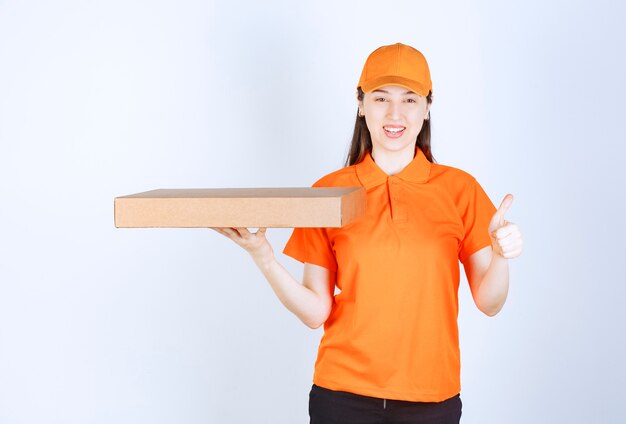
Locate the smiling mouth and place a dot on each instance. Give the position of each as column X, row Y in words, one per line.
column 394, row 131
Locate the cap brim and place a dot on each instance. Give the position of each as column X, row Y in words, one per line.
column 412, row 85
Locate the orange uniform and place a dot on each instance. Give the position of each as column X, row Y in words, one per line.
column 392, row 331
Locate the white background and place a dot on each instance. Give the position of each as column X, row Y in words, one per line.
column 106, row 98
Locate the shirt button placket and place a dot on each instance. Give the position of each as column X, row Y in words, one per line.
column 391, row 186
column 397, row 209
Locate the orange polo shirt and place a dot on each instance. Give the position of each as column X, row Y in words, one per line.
column 392, row 331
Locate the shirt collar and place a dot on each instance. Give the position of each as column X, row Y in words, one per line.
column 371, row 175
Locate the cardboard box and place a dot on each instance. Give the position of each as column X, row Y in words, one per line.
column 286, row 207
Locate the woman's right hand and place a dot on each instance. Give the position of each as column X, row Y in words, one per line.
column 256, row 244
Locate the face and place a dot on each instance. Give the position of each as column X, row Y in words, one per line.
column 394, row 117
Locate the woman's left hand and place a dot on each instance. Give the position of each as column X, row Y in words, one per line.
column 506, row 238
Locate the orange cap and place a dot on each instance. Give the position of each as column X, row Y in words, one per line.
column 396, row 64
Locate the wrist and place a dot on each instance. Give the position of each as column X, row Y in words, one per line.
column 497, row 252
column 264, row 262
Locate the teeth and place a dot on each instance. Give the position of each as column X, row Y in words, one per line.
column 394, row 130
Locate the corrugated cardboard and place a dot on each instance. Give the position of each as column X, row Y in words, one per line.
column 285, row 207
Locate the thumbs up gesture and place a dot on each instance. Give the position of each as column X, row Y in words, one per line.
column 506, row 238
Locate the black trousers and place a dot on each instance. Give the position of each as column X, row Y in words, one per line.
column 336, row 407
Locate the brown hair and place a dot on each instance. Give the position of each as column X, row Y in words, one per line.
column 362, row 140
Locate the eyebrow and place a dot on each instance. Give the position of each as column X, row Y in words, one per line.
column 386, row 92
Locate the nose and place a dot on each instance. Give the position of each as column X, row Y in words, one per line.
column 393, row 110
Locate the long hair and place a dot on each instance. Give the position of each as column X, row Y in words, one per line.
column 362, row 140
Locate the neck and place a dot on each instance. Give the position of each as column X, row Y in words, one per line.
column 392, row 162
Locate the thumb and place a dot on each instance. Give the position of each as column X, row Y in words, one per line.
column 504, row 206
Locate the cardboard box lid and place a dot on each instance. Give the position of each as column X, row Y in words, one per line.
column 280, row 207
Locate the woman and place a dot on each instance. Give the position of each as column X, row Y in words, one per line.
column 390, row 350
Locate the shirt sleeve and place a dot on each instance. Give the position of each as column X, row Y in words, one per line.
column 313, row 246
column 476, row 212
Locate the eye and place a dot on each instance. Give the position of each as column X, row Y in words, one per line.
column 379, row 99
column 411, row 100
